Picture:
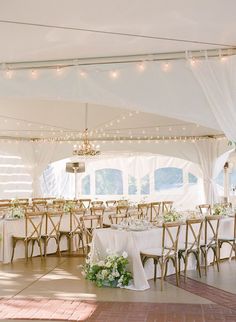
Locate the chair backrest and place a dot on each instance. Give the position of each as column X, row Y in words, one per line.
column 75, row 222
column 193, row 233
column 23, row 200
column 39, row 205
column 97, row 211
column 205, row 209
column 33, row 224
column 212, row 224
column 5, row 201
column 53, row 223
column 97, row 203
column 122, row 202
column 143, row 210
column 58, row 204
column 170, row 238
column 111, row 203
column 84, row 203
column 122, row 210
column 155, row 210
column 117, row 218
column 167, row 206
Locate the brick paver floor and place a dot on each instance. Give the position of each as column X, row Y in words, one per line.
column 65, row 310
column 209, row 292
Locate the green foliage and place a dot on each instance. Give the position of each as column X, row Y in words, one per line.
column 172, row 216
column 110, row 272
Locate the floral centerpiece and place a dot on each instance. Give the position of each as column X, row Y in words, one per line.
column 69, row 205
column 16, row 211
column 112, row 271
column 220, row 210
column 172, row 216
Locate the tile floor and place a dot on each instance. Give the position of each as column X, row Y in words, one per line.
column 54, row 289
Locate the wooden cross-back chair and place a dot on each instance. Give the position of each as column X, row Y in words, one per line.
column 167, row 252
column 39, row 205
column 122, row 210
column 117, row 218
column 212, row 224
column 89, row 223
column 75, row 228
column 205, row 209
column 111, row 203
column 84, row 203
column 155, row 210
column 97, row 203
column 231, row 240
column 122, row 202
column 143, row 209
column 52, row 229
column 58, row 204
column 191, row 245
column 4, row 207
column 167, row 206
column 32, row 233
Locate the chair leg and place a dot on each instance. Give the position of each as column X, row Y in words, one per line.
column 13, row 249
column 179, row 264
column 58, row 246
column 205, row 260
column 45, row 242
column 176, row 270
column 162, row 273
column 32, row 248
column 155, row 269
column 198, row 264
column 217, row 258
column 26, row 249
column 40, row 248
column 185, row 266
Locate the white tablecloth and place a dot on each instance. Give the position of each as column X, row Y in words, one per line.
column 133, row 242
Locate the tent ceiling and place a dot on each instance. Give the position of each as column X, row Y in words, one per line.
column 210, row 21
column 45, row 119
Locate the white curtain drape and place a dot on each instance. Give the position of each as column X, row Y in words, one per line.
column 37, row 156
column 207, row 153
column 218, row 82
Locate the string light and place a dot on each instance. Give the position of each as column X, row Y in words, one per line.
column 114, row 74
column 83, row 73
column 193, row 61
column 34, row 74
column 166, row 66
column 141, row 66
column 9, row 74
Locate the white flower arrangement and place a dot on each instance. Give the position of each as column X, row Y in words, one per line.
column 109, row 272
column 220, row 210
column 172, row 216
column 16, row 211
column 69, row 205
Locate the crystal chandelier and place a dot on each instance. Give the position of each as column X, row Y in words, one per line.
column 86, row 148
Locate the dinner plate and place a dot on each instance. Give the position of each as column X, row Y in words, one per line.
column 12, row 219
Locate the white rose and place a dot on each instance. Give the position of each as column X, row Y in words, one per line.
column 101, row 263
column 125, row 255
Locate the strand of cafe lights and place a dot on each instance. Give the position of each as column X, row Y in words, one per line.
column 141, row 61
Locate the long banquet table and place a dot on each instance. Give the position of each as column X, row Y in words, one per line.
column 118, row 241
column 8, row 228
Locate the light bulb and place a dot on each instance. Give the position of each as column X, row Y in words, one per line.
column 114, row 74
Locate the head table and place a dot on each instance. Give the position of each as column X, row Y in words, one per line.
column 117, row 241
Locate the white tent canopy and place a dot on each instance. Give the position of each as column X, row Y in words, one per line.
column 150, row 101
